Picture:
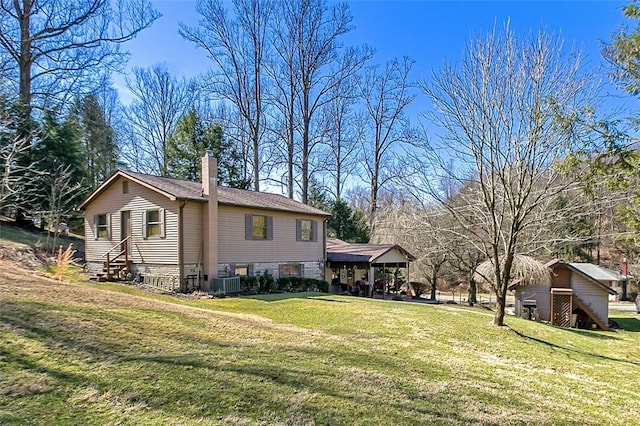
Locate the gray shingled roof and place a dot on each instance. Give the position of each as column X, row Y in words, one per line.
column 340, row 251
column 192, row 191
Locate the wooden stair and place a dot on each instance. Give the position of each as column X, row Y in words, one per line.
column 117, row 261
column 113, row 270
column 587, row 309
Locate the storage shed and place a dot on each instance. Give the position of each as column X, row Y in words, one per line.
column 578, row 296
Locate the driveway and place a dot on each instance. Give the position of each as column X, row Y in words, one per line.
column 622, row 306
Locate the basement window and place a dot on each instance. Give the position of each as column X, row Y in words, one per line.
column 291, row 270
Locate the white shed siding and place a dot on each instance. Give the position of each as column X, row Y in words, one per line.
column 138, row 200
column 591, row 294
column 540, row 294
column 234, row 248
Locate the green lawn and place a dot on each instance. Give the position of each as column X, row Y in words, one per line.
column 111, row 354
column 10, row 233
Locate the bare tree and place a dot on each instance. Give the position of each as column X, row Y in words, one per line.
column 159, row 101
column 427, row 232
column 13, row 145
column 386, row 95
column 504, row 114
column 238, row 47
column 313, row 63
column 54, row 47
column 62, row 198
column 340, row 136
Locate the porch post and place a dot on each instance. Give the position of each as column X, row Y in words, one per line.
column 372, row 279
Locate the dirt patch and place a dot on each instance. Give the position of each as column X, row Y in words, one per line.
column 24, row 256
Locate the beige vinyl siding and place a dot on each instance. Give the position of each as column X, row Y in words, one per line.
column 392, row 256
column 138, row 200
column 193, row 233
column 283, row 248
column 592, row 295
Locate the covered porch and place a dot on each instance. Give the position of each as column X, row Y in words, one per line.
column 366, row 269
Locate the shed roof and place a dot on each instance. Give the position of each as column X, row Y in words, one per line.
column 597, row 272
column 339, row 251
column 594, row 273
column 176, row 189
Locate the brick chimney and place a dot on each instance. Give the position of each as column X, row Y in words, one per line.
column 625, row 280
column 210, row 218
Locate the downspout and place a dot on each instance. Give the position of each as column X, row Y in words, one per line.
column 324, row 250
column 183, row 286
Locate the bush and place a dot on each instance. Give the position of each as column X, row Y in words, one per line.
column 266, row 282
column 419, row 288
column 296, row 284
column 248, row 284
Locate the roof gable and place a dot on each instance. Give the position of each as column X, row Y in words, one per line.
column 176, row 189
column 593, row 273
column 340, row 251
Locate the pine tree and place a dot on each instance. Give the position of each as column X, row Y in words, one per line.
column 191, row 140
column 98, row 141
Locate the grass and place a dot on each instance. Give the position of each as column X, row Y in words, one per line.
column 10, row 233
column 112, row 354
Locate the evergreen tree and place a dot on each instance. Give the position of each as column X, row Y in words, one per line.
column 347, row 224
column 191, row 140
column 59, row 170
column 98, row 141
column 318, row 196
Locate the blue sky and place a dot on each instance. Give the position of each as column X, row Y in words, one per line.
column 427, row 31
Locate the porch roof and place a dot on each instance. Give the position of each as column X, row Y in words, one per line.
column 341, row 252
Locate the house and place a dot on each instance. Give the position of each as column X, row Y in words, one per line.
column 351, row 262
column 181, row 234
column 578, row 295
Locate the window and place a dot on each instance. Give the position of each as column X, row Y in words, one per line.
column 153, row 223
column 125, row 187
column 292, row 270
column 258, row 227
column 242, row 269
column 306, row 230
column 101, row 223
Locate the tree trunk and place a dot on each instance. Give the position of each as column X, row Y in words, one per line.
column 498, row 319
column 305, row 161
column 25, row 65
column 473, row 290
column 256, row 159
column 290, row 153
column 434, row 278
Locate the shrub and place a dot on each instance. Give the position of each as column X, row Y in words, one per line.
column 64, row 259
column 248, row 283
column 419, row 288
column 296, row 284
column 266, row 282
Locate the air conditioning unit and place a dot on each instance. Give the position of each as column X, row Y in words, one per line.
column 226, row 285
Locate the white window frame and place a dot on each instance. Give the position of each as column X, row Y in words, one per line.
column 106, row 226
